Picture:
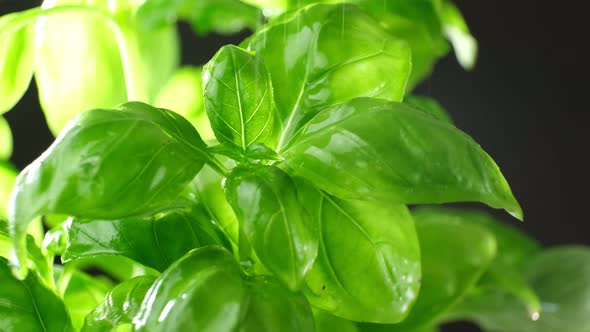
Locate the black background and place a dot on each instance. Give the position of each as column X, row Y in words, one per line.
column 524, row 103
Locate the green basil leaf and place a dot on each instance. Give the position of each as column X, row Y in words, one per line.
column 368, row 265
column 89, row 75
column 324, row 322
column 5, row 139
column 429, row 106
column 449, row 270
column 120, row 306
column 17, row 58
column 238, row 98
column 183, row 94
column 109, row 164
column 28, row 306
column 82, row 294
column 559, row 276
column 272, row 307
column 155, row 241
column 375, row 149
column 265, row 201
column 203, row 291
column 112, row 61
column 314, row 54
column 514, row 252
column 221, row 16
column 457, row 32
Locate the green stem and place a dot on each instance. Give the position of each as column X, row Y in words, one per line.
column 126, row 42
column 217, row 166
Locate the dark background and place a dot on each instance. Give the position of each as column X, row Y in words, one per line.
column 524, row 103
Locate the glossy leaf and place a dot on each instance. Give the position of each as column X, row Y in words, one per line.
column 374, row 149
column 155, row 241
column 368, row 265
column 112, row 62
column 455, row 253
column 120, row 305
column 83, row 294
column 429, row 106
column 324, row 322
column 238, row 98
column 559, row 276
column 203, row 291
column 183, row 94
column 5, row 240
column 28, row 306
column 109, row 164
column 5, row 139
column 221, row 16
column 272, row 307
column 313, row 55
column 281, row 232
column 17, row 58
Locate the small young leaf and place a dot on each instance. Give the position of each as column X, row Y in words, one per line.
column 275, row 223
column 29, row 306
column 430, row 106
column 183, row 94
column 327, row 54
column 238, row 98
column 449, row 269
column 82, row 294
column 120, row 306
column 17, row 58
column 272, row 307
column 375, row 149
column 155, row 241
column 368, row 265
column 109, row 164
column 203, row 291
column 559, row 276
column 5, row 139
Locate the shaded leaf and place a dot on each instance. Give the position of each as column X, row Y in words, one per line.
column 559, row 276
column 82, row 294
column 455, row 253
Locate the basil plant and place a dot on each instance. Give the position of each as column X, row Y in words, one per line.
column 268, row 190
